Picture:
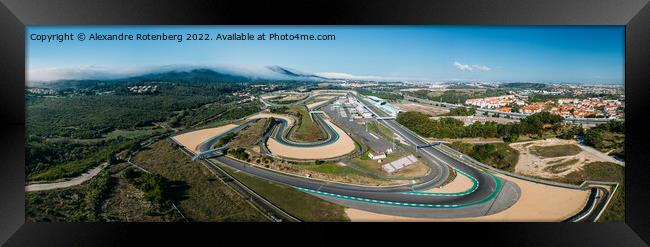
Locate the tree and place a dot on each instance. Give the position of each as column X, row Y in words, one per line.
column 135, row 147
column 461, row 111
column 511, row 138
column 594, row 137
column 111, row 159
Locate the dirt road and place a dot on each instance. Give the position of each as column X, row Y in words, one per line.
column 64, row 184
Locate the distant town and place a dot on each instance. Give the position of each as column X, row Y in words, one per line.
column 566, row 100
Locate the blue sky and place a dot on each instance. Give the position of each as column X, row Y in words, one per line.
column 427, row 53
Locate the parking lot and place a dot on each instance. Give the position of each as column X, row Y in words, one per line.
column 342, row 117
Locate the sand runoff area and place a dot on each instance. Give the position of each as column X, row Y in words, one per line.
column 343, row 146
column 537, row 203
column 289, row 119
column 191, row 140
column 322, row 100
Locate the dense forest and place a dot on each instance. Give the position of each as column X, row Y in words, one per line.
column 457, row 96
column 498, row 155
column 461, row 111
column 422, row 124
column 91, row 116
column 76, row 129
column 536, row 97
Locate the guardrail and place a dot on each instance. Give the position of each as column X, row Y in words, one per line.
column 586, row 211
column 608, row 201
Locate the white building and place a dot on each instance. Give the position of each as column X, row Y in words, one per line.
column 376, row 156
column 385, row 106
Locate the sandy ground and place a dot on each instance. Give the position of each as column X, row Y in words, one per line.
column 410, row 106
column 322, row 100
column 600, row 154
column 343, row 146
column 460, row 183
column 538, row 203
column 533, row 165
column 192, row 139
column 289, row 119
column 72, row 182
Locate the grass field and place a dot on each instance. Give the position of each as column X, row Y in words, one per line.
column 299, row 204
column 560, row 166
column 247, row 137
column 380, row 129
column 307, row 130
column 556, row 150
column 332, row 168
column 199, row 194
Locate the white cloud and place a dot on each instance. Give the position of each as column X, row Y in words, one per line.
column 346, row 76
column 475, row 67
column 81, row 72
column 482, row 67
column 463, row 67
column 46, row 75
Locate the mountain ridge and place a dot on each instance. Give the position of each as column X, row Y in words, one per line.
column 196, row 74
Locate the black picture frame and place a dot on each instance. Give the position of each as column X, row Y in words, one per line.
column 16, row 14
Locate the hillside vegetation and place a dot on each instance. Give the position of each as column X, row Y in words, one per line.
column 422, row 124
column 498, row 155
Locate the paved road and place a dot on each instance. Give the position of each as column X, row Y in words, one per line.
column 600, row 154
column 486, row 189
column 489, row 194
column 282, row 132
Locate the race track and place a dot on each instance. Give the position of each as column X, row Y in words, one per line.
column 473, row 202
column 488, row 194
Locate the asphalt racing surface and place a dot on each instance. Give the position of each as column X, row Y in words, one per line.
column 281, row 133
column 409, row 199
